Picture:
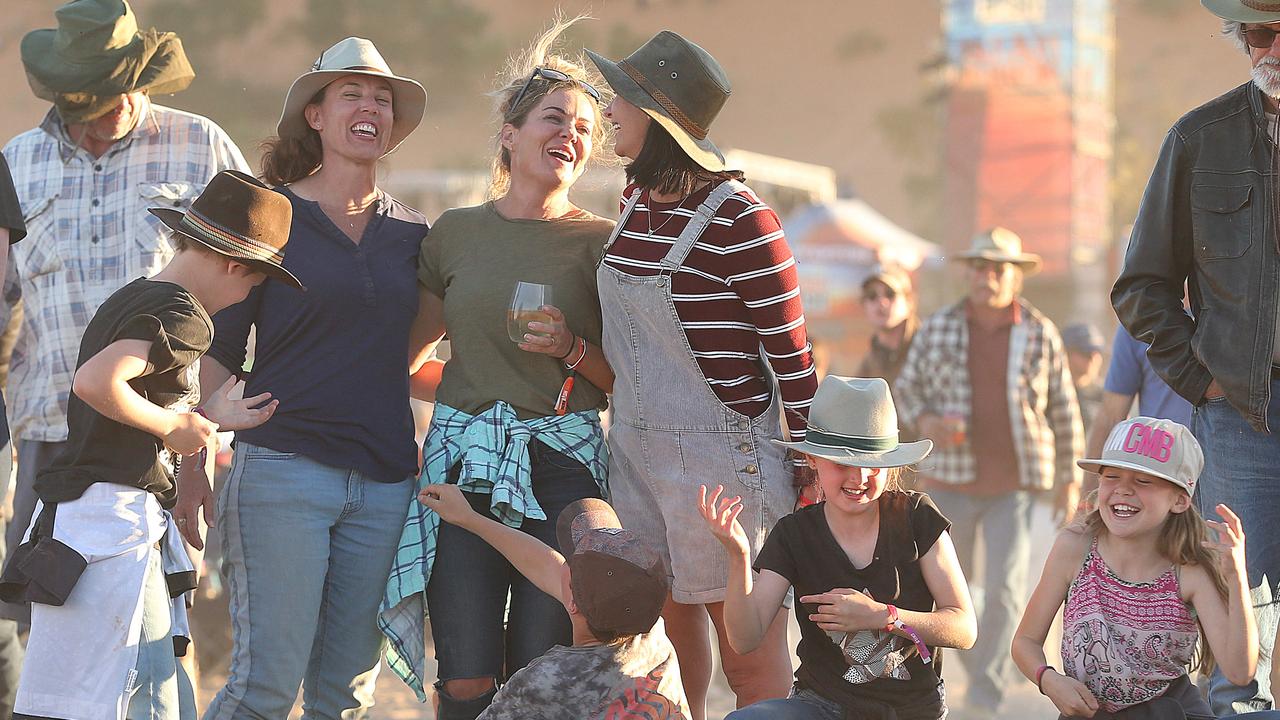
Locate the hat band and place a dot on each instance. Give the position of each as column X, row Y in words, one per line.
column 204, row 228
column 1261, row 6
column 684, row 121
column 821, row 438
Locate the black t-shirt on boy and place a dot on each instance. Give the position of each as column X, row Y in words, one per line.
column 802, row 549
column 100, row 449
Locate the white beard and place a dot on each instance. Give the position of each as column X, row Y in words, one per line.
column 1266, row 75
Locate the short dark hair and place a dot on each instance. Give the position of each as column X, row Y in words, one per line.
column 664, row 166
column 607, row 637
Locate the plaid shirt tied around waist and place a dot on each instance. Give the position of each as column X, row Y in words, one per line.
column 493, row 449
column 88, row 235
column 1047, row 432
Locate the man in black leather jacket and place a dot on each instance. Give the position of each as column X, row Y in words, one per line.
column 1209, row 219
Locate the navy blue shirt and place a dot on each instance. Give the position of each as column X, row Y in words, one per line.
column 337, row 355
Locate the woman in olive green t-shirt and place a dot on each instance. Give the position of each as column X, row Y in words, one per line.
column 521, row 417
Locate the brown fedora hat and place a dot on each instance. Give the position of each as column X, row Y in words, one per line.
column 679, row 85
column 96, row 54
column 239, row 217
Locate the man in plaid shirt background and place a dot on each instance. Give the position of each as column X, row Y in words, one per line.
column 987, row 380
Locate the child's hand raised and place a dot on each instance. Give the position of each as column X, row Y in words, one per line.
column 1229, row 542
column 1070, row 696
column 228, row 406
column 721, row 515
column 448, row 502
column 846, row 610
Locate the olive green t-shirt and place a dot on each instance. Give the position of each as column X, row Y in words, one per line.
column 472, row 259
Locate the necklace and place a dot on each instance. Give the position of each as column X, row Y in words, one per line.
column 648, row 215
column 346, row 214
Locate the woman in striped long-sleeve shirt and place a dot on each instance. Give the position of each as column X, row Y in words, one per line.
column 704, row 330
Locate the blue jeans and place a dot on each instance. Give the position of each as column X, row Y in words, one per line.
column 803, row 704
column 467, row 592
column 306, row 552
column 1240, row 472
column 1005, row 524
column 164, row 690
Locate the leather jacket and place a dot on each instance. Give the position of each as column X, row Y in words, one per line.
column 1208, row 217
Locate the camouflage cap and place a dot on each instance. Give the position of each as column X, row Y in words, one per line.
column 619, row 583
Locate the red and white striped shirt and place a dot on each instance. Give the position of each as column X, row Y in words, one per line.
column 737, row 291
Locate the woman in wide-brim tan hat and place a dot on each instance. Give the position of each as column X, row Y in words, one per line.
column 311, row 514
column 697, row 279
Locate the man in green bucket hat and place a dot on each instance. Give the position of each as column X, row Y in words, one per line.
column 85, row 177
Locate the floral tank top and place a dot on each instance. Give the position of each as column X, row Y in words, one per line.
column 1127, row 642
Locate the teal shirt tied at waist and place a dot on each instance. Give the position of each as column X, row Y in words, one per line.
column 493, row 449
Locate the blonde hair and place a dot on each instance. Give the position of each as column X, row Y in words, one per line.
column 1181, row 542
column 516, row 77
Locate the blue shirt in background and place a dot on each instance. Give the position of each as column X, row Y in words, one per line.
column 337, row 355
column 1130, row 373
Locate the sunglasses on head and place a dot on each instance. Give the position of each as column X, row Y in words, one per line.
column 554, row 76
column 1260, row 37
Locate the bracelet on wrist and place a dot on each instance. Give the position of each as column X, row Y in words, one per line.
column 1040, row 671
column 572, row 344
column 582, row 350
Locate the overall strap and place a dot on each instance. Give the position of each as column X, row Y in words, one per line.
column 697, row 224
column 622, row 222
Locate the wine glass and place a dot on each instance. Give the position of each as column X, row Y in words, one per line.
column 526, row 307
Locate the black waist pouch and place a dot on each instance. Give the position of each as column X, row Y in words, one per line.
column 41, row 570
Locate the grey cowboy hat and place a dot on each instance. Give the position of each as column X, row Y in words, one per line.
column 853, row 422
column 1000, row 245
column 679, row 85
column 96, row 54
column 357, row 56
column 1245, row 11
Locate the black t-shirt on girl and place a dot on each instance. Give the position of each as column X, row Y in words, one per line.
column 100, row 449
column 802, row 549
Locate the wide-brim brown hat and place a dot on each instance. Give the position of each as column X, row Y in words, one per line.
column 1001, row 245
column 852, row 421
column 679, row 85
column 96, row 54
column 1245, row 11
column 241, row 218
column 356, row 56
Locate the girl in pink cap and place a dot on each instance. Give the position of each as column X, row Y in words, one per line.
column 1147, row 591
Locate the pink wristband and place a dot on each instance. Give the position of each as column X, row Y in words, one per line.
column 1040, row 671
column 925, row 656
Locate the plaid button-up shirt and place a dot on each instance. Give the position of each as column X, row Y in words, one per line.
column 1047, row 432
column 89, row 234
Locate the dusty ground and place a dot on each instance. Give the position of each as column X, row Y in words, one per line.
column 396, row 702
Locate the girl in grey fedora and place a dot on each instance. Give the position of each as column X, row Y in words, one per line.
column 878, row 581
column 702, row 317
column 311, row 512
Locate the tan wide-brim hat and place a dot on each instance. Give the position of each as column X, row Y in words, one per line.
column 679, row 85
column 1001, row 245
column 1245, row 11
column 852, row 421
column 354, row 56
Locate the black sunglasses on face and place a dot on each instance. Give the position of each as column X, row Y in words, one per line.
column 1260, row 37
column 872, row 295
column 555, row 76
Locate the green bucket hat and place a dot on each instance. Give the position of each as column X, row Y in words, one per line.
column 96, row 54
column 679, row 85
column 1245, row 11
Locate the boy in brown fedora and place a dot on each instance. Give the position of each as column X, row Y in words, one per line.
column 103, row 153
column 621, row 664
column 100, row 645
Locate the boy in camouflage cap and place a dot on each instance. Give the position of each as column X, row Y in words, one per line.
column 613, row 587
